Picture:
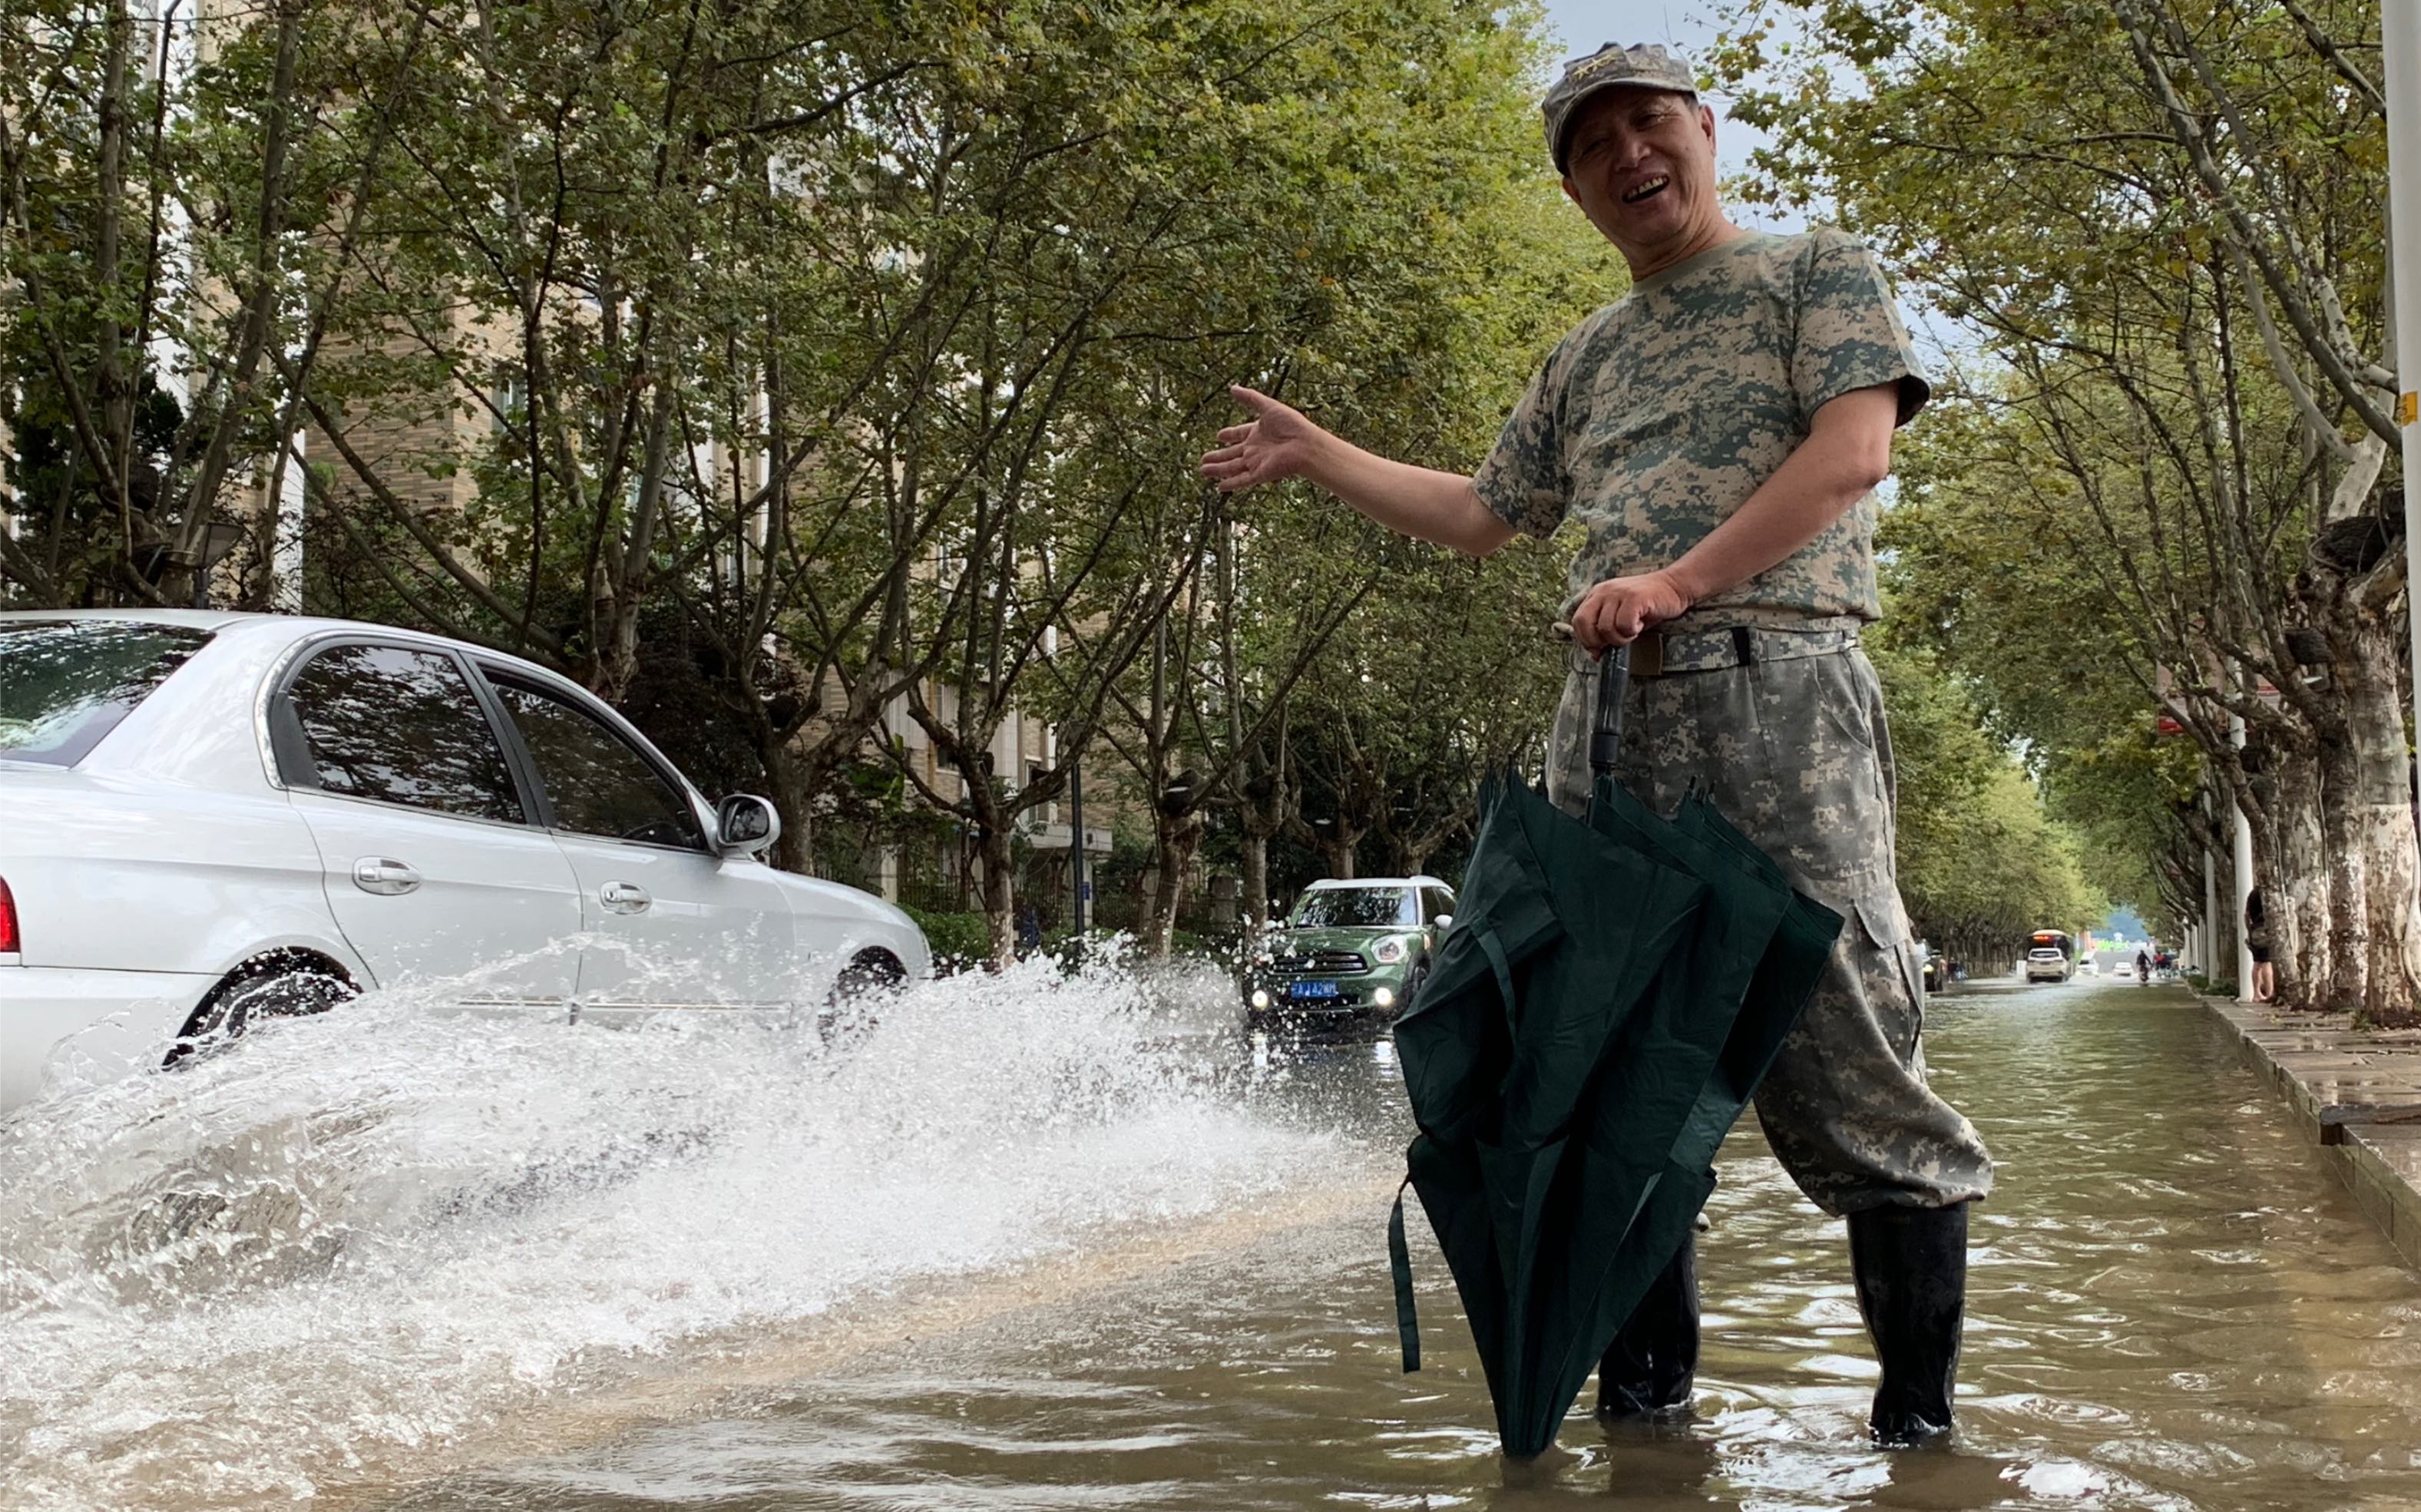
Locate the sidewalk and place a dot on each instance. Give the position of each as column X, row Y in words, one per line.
column 2356, row 1093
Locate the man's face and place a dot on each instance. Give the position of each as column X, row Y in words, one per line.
column 1641, row 166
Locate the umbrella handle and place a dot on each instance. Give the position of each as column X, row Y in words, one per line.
column 1613, row 683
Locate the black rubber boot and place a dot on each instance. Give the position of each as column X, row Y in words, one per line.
column 1653, row 1361
column 1910, row 1266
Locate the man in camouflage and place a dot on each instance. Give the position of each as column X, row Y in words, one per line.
column 1718, row 433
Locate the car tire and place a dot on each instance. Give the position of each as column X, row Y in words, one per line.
column 1413, row 983
column 869, row 975
column 848, row 1007
column 274, row 986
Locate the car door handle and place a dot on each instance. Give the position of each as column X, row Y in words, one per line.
column 385, row 876
column 624, row 897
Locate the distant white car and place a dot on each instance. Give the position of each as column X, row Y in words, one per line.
column 207, row 817
column 2047, row 963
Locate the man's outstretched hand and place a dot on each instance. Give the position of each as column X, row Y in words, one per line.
column 1420, row 501
column 1617, row 611
column 1277, row 442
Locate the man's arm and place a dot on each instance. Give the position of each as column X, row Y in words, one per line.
column 1420, row 501
column 1846, row 452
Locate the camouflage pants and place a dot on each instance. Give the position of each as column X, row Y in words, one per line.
column 1795, row 753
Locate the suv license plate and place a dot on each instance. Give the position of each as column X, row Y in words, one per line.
column 1313, row 990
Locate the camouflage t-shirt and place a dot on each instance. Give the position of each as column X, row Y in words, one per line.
column 1661, row 414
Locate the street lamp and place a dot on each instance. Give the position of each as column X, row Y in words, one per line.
column 218, row 538
column 153, row 559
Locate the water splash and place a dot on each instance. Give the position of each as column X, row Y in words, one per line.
column 383, row 1228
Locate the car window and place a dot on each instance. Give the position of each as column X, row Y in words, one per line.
column 1440, row 901
column 403, row 726
column 1356, row 908
column 595, row 781
column 65, row 683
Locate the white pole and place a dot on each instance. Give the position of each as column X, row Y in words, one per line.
column 2210, row 930
column 2400, row 35
column 286, row 545
column 171, row 363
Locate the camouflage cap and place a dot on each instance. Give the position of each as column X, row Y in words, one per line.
column 1643, row 66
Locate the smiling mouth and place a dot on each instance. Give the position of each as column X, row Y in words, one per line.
column 1653, row 186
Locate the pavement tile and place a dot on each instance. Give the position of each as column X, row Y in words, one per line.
column 2358, row 1094
column 2318, row 1062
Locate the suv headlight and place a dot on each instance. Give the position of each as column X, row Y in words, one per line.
column 1389, row 951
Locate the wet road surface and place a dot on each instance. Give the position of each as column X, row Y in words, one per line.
column 2173, row 1306
column 2172, row 1303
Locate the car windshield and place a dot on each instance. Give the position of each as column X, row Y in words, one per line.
column 1350, row 908
column 65, row 683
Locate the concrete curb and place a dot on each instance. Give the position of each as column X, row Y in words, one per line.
column 2357, row 1093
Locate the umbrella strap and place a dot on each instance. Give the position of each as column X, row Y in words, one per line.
column 1399, row 1255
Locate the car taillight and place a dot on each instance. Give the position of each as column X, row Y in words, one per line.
column 8, row 921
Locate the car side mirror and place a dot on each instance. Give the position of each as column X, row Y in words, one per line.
column 1444, row 920
column 746, row 824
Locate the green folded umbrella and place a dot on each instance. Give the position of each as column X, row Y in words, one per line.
column 1609, row 996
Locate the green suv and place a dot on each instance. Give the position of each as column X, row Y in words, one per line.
column 1350, row 955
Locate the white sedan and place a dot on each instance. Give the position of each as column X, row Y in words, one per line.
column 207, row 818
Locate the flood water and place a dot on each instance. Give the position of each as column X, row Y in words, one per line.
column 1030, row 1245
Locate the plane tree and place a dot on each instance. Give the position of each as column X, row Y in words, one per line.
column 2161, row 223
column 175, row 234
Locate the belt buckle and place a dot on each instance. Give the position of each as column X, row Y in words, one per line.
column 1647, row 655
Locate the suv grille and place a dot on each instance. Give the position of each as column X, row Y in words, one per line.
column 1319, row 963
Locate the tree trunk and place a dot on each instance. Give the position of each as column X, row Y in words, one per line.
column 2350, row 586
column 2337, row 967
column 1340, row 850
column 115, row 384
column 992, row 838
column 1265, row 806
column 792, row 796
column 2226, row 924
column 2295, row 896
column 1256, row 879
column 1179, row 837
column 2381, row 824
